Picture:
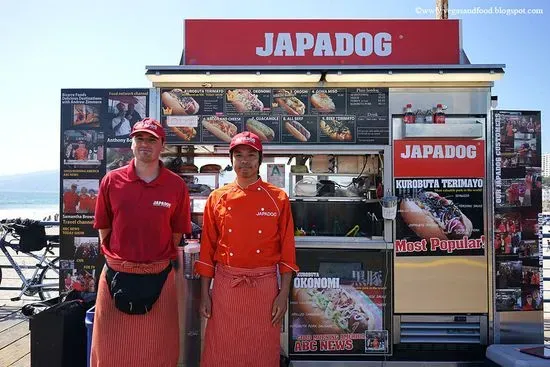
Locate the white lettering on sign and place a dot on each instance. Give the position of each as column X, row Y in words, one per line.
column 317, row 283
column 321, row 44
column 182, row 121
column 439, row 151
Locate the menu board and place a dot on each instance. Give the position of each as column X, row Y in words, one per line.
column 518, row 202
column 278, row 116
column 340, row 303
column 95, row 128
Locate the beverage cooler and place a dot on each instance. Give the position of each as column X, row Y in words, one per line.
column 442, row 256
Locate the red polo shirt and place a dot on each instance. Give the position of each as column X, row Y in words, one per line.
column 247, row 228
column 70, row 201
column 142, row 216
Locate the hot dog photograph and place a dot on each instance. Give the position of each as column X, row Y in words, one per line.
column 266, row 127
column 430, row 215
column 247, row 100
column 290, row 102
column 192, row 102
column 185, row 133
column 336, row 310
column 328, row 101
column 219, row 129
column 439, row 216
column 337, row 129
column 177, row 102
column 299, row 129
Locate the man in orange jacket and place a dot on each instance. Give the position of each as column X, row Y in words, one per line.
column 247, row 238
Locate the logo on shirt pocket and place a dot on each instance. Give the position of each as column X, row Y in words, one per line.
column 266, row 214
column 163, row 204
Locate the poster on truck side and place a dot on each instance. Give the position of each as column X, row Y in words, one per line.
column 340, row 303
column 518, row 203
column 440, row 186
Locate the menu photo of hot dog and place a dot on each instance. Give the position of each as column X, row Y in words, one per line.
column 328, row 101
column 290, row 101
column 299, row 129
column 247, row 100
column 337, row 129
column 220, row 129
column 335, row 310
column 182, row 128
column 440, row 216
column 178, row 102
column 266, row 127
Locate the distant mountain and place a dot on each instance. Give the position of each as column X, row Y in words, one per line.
column 43, row 181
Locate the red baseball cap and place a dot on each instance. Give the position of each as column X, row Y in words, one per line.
column 246, row 138
column 150, row 126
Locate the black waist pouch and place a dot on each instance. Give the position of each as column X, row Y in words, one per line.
column 135, row 294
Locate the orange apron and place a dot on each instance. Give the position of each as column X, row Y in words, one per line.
column 240, row 333
column 122, row 340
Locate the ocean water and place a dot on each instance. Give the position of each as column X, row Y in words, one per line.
column 31, row 205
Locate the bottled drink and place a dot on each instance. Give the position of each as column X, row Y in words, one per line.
column 409, row 117
column 439, row 115
column 420, row 117
column 429, row 116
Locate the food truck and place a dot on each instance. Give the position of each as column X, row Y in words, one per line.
column 383, row 135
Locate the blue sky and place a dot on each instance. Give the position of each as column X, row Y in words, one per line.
column 49, row 45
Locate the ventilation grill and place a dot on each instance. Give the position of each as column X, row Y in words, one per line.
column 442, row 329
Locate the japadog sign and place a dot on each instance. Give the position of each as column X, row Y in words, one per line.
column 439, row 158
column 321, row 42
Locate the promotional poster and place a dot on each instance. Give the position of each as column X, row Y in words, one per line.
column 341, row 307
column 440, row 186
column 277, row 116
column 95, row 129
column 518, row 202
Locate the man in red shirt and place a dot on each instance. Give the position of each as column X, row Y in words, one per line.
column 92, row 199
column 70, row 200
column 247, row 237
column 142, row 210
column 83, row 200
